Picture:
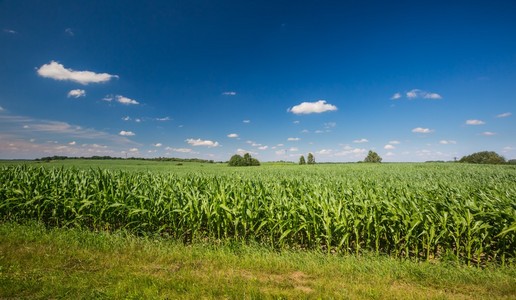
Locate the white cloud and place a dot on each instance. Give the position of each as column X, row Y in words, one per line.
column 133, row 150
column 232, row 135
column 504, row 115
column 180, row 150
column 312, row 107
column 72, row 143
column 125, row 100
column 246, row 121
column 394, row 142
column 305, row 131
column 422, row 130
column 355, row 152
column 324, row 152
column 163, row 119
column 126, row 133
column 231, row 93
column 280, row 152
column 389, row 147
column 263, row 147
column 417, row 93
column 488, row 133
column 432, row 96
column 389, row 154
column 475, row 122
column 76, row 93
column 127, row 118
column 280, row 145
column 240, row 151
column 318, row 131
column 137, row 120
column 293, row 149
column 10, row 31
column 396, row 96
column 69, row 31
column 57, row 71
column 199, row 142
column 361, row 141
column 447, row 142
column 330, row 125
column 296, row 122
column 158, row 145
column 293, row 139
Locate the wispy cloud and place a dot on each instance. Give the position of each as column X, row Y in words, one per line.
column 10, row 31
column 396, row 96
column 488, row 133
column 504, row 115
column 157, row 145
column 389, row 147
column 126, row 133
column 126, row 101
column 76, row 93
column 180, row 150
column 422, row 130
column 229, row 93
column 57, row 71
column 312, row 107
column 263, row 147
column 293, row 139
column 447, row 142
column 1, row 108
column 475, row 122
column 246, row 121
column 232, row 135
column 394, row 142
column 361, row 141
column 163, row 119
column 69, row 32
column 417, row 93
column 199, row 142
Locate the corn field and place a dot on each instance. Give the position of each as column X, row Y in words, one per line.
column 422, row 211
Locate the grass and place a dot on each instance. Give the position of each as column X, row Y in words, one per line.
column 41, row 263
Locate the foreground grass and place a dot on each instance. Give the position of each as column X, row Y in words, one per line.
column 39, row 263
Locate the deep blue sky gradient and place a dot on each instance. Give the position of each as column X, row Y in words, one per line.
column 178, row 58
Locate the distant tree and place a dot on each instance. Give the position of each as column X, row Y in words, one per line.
column 512, row 161
column 302, row 160
column 484, row 157
column 310, row 159
column 373, row 157
column 239, row 161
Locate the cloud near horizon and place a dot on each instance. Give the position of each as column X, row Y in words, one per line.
column 57, row 71
column 312, row 107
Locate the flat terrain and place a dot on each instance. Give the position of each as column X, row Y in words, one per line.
column 147, row 229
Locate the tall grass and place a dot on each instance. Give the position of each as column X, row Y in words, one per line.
column 421, row 211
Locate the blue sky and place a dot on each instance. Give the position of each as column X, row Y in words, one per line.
column 411, row 80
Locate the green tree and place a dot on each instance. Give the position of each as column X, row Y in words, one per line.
column 310, row 159
column 302, row 160
column 239, row 161
column 484, row 157
column 373, row 157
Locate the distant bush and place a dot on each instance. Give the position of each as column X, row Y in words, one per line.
column 239, row 161
column 484, row 157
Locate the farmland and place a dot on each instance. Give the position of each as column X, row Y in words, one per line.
column 464, row 213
